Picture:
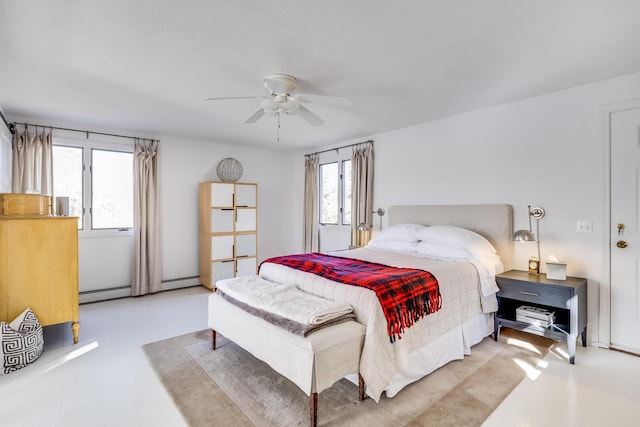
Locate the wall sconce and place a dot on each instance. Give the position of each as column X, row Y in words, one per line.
column 527, row 236
column 380, row 213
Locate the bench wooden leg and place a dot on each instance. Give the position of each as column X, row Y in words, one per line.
column 313, row 409
column 361, row 388
column 213, row 339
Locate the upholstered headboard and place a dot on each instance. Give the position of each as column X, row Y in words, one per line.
column 494, row 222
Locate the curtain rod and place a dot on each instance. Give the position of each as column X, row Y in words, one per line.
column 87, row 132
column 6, row 123
column 339, row 148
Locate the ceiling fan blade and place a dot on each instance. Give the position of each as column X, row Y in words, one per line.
column 334, row 101
column 310, row 117
column 232, row 97
column 255, row 116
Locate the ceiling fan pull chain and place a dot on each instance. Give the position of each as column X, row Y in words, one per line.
column 278, row 130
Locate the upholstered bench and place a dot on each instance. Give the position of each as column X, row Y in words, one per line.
column 314, row 363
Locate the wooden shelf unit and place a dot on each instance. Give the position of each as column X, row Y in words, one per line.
column 228, row 230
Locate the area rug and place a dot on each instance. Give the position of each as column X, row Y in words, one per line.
column 231, row 387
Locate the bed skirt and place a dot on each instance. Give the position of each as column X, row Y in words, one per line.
column 451, row 345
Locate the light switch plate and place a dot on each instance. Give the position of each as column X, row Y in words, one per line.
column 584, row 227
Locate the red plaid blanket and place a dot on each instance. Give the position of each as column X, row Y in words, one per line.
column 405, row 294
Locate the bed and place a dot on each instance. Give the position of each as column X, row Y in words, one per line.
column 467, row 288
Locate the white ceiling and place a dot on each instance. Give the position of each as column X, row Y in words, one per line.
column 145, row 65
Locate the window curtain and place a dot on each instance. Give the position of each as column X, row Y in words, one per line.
column 361, row 192
column 310, row 235
column 147, row 262
column 32, row 163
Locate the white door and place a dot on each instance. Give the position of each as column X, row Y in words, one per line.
column 625, row 230
column 246, row 219
column 222, row 247
column 222, row 220
column 246, row 195
column 246, row 267
column 222, row 194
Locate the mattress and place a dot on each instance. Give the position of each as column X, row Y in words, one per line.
column 382, row 361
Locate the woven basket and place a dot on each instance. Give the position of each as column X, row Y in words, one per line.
column 229, row 170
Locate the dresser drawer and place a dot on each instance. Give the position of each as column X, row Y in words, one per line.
column 534, row 293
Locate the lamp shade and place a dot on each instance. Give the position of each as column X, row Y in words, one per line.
column 363, row 227
column 524, row 236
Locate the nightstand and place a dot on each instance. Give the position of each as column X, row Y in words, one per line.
column 567, row 298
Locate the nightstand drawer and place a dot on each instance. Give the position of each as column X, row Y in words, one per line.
column 535, row 293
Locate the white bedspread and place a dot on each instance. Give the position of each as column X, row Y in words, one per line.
column 285, row 300
column 381, row 360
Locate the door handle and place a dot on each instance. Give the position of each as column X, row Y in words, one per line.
column 622, row 244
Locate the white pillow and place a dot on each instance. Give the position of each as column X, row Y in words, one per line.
column 457, row 237
column 436, row 251
column 398, row 232
column 394, row 245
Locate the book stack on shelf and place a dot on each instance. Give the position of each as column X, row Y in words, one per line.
column 535, row 316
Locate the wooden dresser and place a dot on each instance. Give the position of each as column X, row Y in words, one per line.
column 38, row 261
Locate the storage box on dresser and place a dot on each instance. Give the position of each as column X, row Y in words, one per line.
column 228, row 230
column 38, row 261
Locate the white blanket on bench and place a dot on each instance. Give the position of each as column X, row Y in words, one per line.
column 285, row 300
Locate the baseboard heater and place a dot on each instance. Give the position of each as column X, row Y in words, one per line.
column 125, row 291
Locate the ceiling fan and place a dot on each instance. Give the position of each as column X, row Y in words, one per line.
column 280, row 100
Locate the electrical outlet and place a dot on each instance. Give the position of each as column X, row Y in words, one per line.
column 584, row 227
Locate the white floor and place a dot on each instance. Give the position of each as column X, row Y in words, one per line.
column 601, row 389
column 105, row 380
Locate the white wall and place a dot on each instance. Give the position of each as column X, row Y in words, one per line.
column 183, row 163
column 547, row 151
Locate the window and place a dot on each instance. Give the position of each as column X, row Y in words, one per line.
column 112, row 195
column 98, row 179
column 335, row 193
column 67, row 177
column 329, row 193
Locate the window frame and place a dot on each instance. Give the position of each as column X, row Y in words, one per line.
column 343, row 189
column 87, row 146
column 340, row 161
column 321, row 194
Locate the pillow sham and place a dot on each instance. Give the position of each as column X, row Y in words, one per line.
column 394, row 245
column 436, row 251
column 457, row 237
column 398, row 232
column 21, row 342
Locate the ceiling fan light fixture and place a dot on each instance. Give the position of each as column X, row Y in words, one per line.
column 291, row 106
column 280, row 83
column 280, row 98
column 269, row 106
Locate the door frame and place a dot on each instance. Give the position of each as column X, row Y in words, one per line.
column 604, row 318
